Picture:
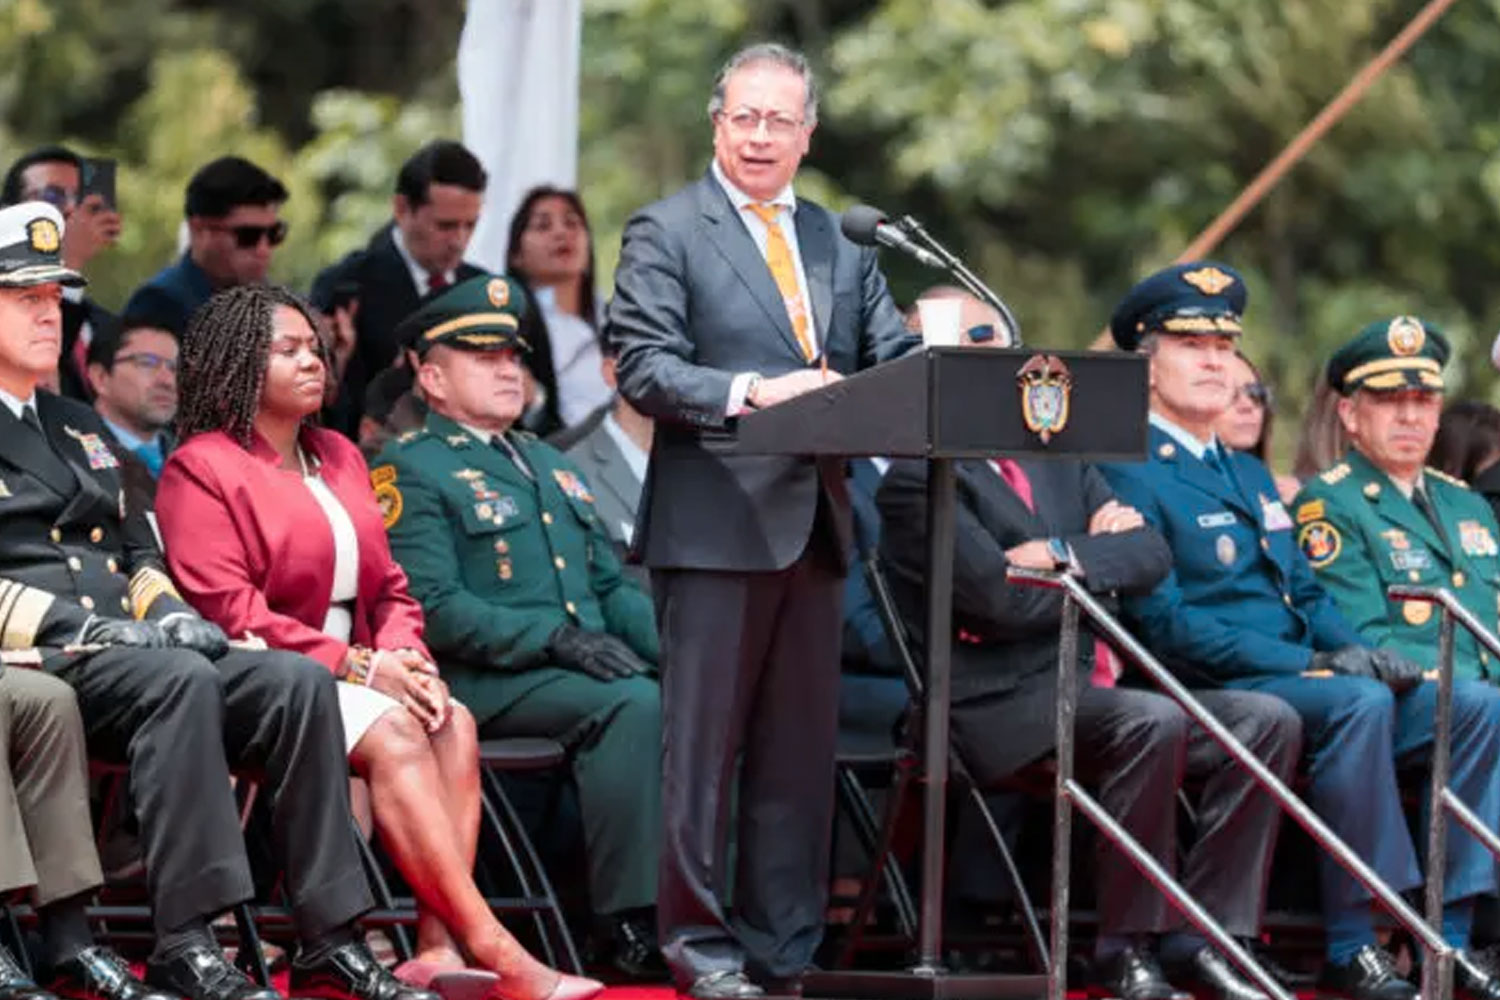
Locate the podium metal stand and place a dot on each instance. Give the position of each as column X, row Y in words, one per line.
column 942, row 404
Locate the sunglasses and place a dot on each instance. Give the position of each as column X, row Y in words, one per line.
column 246, row 237
column 1256, row 392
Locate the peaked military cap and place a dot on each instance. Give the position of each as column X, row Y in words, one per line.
column 1398, row 353
column 1199, row 297
column 482, row 313
column 31, row 247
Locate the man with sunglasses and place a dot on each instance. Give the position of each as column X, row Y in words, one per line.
column 55, row 174
column 234, row 227
column 133, row 371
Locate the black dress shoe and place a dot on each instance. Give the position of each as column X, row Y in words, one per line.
column 99, row 974
column 1132, row 974
column 636, row 954
column 352, row 973
column 201, row 972
column 1207, row 974
column 1369, row 975
column 724, row 986
column 1474, row 978
column 15, row 984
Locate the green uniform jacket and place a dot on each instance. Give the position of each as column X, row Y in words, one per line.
column 498, row 560
column 1362, row 535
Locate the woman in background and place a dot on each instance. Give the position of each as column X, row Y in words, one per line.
column 1246, row 425
column 271, row 528
column 1468, row 446
column 551, row 251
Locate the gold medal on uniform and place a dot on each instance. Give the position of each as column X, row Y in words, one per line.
column 1416, row 612
column 504, row 569
column 1225, row 549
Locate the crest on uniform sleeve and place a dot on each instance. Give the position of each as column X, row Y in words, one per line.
column 1046, row 387
column 1320, row 543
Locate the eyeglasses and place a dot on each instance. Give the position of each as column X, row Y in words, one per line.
column 1256, row 392
column 148, row 362
column 58, row 197
column 246, row 237
column 746, row 122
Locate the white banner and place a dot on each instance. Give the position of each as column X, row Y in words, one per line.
column 518, row 78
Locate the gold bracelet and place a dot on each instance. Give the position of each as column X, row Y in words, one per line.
column 358, row 662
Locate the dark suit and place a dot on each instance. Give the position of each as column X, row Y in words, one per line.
column 617, row 491
column 1242, row 609
column 71, row 547
column 173, row 293
column 387, row 295
column 747, row 556
column 72, row 376
column 1132, row 743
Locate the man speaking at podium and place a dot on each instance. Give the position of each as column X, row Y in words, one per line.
column 733, row 294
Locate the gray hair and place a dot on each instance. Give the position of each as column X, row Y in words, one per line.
column 1148, row 344
column 776, row 55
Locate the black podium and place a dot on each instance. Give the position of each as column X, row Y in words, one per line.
column 942, row 404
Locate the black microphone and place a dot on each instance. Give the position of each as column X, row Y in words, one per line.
column 867, row 226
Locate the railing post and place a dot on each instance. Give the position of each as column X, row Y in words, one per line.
column 1437, row 972
column 1062, row 804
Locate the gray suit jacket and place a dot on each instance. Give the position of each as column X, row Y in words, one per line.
column 694, row 305
column 617, row 493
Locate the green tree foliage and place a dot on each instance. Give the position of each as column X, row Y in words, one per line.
column 1065, row 147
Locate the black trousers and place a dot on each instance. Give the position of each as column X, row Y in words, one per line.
column 750, row 676
column 182, row 723
column 1135, row 748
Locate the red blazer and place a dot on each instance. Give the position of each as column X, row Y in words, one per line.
column 251, row 549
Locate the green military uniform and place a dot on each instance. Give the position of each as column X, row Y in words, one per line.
column 500, row 558
column 1362, row 534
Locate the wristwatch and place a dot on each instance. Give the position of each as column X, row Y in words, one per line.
column 1062, row 556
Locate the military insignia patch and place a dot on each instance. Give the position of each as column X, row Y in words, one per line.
column 1167, row 450
column 1320, row 543
column 389, row 499
column 1208, row 280
column 43, row 235
column 1273, row 512
column 1411, row 561
column 457, row 440
column 1220, row 519
column 1416, row 612
column 94, row 449
column 1475, row 539
column 1405, row 337
column 1046, row 385
column 1310, row 511
column 382, row 474
column 498, row 292
column 468, row 474
column 1372, row 490
column 1225, row 549
column 572, row 485
column 504, row 570
column 1396, row 539
column 1336, row 474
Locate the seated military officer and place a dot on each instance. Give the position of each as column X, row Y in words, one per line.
column 1378, row 518
column 47, row 839
column 538, row 631
column 158, row 687
column 1242, row 609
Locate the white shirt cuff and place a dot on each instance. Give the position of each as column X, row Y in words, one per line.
column 737, row 391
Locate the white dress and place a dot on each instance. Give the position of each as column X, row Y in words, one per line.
column 359, row 706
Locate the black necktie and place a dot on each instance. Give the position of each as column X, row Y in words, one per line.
column 1419, row 498
column 504, row 447
column 30, row 419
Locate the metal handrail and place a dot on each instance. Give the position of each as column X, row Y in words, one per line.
column 1437, row 973
column 1452, row 612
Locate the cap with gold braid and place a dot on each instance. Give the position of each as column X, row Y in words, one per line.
column 1399, row 353
column 31, row 247
column 482, row 313
column 1201, row 297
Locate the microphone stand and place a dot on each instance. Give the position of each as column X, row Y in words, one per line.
column 960, row 271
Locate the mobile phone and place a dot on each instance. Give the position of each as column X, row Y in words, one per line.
column 98, row 178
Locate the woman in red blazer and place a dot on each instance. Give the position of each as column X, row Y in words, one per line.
column 271, row 529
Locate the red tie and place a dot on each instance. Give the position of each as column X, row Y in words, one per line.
column 1106, row 668
column 436, row 281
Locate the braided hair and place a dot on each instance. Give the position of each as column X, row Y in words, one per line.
column 224, row 355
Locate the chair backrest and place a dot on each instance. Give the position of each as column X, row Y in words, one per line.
column 895, row 628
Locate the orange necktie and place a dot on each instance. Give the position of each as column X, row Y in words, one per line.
column 779, row 257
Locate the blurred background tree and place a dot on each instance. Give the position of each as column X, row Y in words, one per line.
column 1065, row 147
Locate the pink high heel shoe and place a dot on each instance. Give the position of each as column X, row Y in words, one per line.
column 451, row 982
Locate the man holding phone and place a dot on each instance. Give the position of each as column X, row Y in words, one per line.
column 83, row 190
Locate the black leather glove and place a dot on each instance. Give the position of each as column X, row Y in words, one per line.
column 598, row 654
column 1396, row 670
column 123, row 632
column 1348, row 661
column 185, row 631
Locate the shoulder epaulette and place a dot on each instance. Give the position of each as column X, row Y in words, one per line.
column 407, row 437
column 1450, row 480
column 1335, row 474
